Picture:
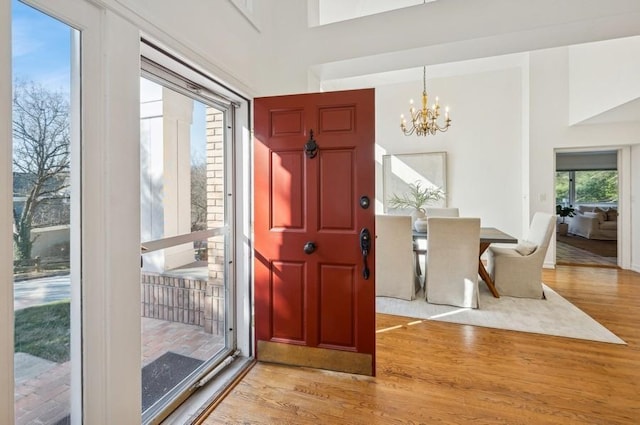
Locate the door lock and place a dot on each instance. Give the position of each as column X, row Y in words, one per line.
column 364, row 202
column 309, row 248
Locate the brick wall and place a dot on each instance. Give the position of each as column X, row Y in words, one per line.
column 183, row 300
column 214, row 313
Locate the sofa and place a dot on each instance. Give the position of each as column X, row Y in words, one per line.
column 593, row 222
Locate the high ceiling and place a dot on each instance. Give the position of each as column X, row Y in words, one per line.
column 477, row 40
column 330, row 11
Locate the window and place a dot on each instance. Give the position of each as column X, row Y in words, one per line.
column 45, row 202
column 593, row 187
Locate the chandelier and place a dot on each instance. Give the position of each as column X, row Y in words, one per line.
column 424, row 121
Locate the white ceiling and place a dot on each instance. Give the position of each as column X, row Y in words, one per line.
column 465, row 56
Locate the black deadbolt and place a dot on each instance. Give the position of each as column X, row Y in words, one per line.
column 364, row 202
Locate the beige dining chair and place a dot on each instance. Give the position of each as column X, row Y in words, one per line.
column 441, row 212
column 453, row 247
column 395, row 268
column 420, row 249
column 517, row 271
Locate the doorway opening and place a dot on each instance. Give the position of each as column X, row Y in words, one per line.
column 587, row 193
column 192, row 297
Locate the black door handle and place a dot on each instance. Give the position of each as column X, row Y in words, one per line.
column 309, row 247
column 365, row 247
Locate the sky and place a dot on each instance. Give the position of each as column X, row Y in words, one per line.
column 41, row 52
column 41, row 48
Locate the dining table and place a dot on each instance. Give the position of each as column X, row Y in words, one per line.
column 488, row 235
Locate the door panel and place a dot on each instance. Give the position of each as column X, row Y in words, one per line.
column 337, row 306
column 336, row 190
column 288, row 194
column 288, row 295
column 309, row 287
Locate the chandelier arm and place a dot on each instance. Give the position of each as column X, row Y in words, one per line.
column 424, row 120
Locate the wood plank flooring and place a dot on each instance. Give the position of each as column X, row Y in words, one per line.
column 440, row 373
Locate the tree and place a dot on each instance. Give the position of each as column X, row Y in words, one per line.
column 41, row 137
column 199, row 196
column 597, row 186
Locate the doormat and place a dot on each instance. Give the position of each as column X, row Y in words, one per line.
column 158, row 377
column 64, row 421
column 164, row 373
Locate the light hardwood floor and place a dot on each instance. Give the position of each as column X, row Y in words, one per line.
column 440, row 373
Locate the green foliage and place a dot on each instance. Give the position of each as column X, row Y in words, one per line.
column 43, row 331
column 417, row 197
column 562, row 186
column 596, row 186
column 565, row 211
column 591, row 187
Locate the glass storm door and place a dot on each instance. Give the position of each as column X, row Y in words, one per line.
column 185, row 238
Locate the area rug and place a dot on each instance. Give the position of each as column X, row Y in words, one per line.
column 594, row 246
column 551, row 316
column 570, row 255
column 164, row 373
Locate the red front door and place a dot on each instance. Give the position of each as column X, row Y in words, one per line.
column 313, row 305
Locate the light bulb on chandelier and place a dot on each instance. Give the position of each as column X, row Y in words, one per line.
column 425, row 120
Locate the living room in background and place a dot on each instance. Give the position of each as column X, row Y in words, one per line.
column 587, row 184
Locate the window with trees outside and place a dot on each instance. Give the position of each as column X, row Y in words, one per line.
column 595, row 187
column 45, row 205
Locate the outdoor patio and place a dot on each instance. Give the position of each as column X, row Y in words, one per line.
column 42, row 386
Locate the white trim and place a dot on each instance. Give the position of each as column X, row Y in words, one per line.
column 6, row 221
column 111, row 239
column 624, row 207
column 76, row 324
column 243, row 158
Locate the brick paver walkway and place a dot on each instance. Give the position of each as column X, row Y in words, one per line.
column 42, row 387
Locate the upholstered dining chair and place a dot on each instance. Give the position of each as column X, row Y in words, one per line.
column 517, row 270
column 453, row 247
column 395, row 269
column 419, row 249
column 441, row 212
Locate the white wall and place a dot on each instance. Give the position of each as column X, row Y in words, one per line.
column 550, row 130
column 603, row 76
column 483, row 145
column 214, row 35
column 437, row 32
